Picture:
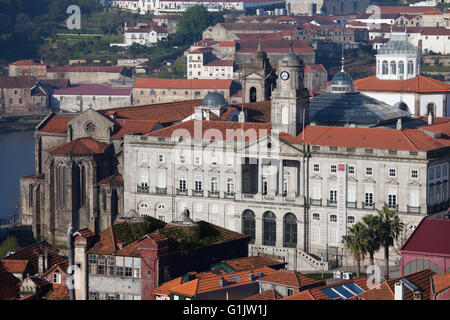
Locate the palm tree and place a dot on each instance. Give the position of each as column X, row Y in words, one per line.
column 372, row 235
column 390, row 229
column 354, row 241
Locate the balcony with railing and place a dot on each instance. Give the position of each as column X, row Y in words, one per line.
column 159, row 190
column 391, row 206
column 368, row 205
column 412, row 209
column 315, row 202
column 351, row 204
column 213, row 194
column 229, row 195
column 142, row 189
column 197, row 193
column 182, row 192
column 331, row 203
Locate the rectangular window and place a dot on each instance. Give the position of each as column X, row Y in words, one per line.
column 182, row 159
column 110, row 265
column 93, row 264
column 369, row 171
column 198, row 185
column 230, row 185
column 214, row 184
column 315, row 234
column 392, row 172
column 368, row 198
column 128, row 271
column 414, row 174
column 333, row 195
column 332, row 236
column 351, row 169
column 182, row 183
column 161, row 158
column 392, row 200
column 333, row 168
column 438, row 172
column 316, row 167
column 265, row 186
column 137, row 273
column 431, row 173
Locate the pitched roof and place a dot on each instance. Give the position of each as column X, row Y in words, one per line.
column 406, row 9
column 419, row 84
column 274, row 46
column 27, row 62
column 171, row 84
column 292, row 278
column 15, row 266
column 212, row 282
column 92, row 89
column 113, row 180
column 83, row 68
column 164, row 289
column 266, row 295
column 9, row 284
column 58, row 292
column 56, row 124
column 197, row 129
column 17, row 82
column 32, row 252
column 81, row 146
column 260, row 36
column 431, row 236
column 440, row 282
column 376, row 138
column 130, row 126
column 220, row 63
column 251, row 262
column 310, row 68
column 318, row 294
column 386, row 290
column 254, row 26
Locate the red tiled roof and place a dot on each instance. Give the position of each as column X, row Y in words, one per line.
column 78, row 68
column 431, row 236
column 130, row 126
column 9, row 284
column 93, row 89
column 386, row 290
column 434, row 31
column 39, row 281
column 31, row 254
column 56, row 124
column 266, row 295
column 220, row 63
column 405, row 139
column 81, row 146
column 15, row 266
column 310, row 68
column 28, row 62
column 155, row 83
column 211, row 283
column 317, row 294
column 256, row 27
column 34, row 176
column 260, row 36
column 406, row 9
column 440, row 282
column 419, row 84
column 227, row 43
column 17, row 82
column 274, row 46
column 246, row 263
column 293, row 279
column 165, row 288
column 115, row 180
column 58, row 292
column 197, row 129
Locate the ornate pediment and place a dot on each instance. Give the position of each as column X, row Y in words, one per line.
column 254, row 76
column 144, row 165
column 161, row 167
column 332, row 178
column 230, row 171
column 214, row 170
column 369, row 180
column 316, row 177
column 414, row 184
column 392, row 182
column 182, row 168
column 352, row 179
column 198, row 169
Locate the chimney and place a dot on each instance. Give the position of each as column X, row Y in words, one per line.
column 241, row 116
column 41, row 264
column 399, row 291
column 430, row 118
column 399, row 124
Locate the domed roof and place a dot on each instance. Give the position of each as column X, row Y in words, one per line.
column 290, row 57
column 398, row 45
column 342, row 82
column 214, row 99
column 260, row 53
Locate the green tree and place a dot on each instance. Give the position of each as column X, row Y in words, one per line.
column 195, row 20
column 390, row 229
column 355, row 242
column 372, row 235
column 10, row 244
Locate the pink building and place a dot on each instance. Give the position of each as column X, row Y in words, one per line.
column 427, row 247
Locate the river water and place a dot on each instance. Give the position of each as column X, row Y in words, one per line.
column 16, row 161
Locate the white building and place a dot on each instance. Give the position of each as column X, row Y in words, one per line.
column 133, row 5
column 292, row 186
column 398, row 81
column 202, row 64
column 144, row 34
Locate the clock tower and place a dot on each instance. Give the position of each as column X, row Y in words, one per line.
column 290, row 98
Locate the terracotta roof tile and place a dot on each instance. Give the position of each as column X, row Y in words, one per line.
column 93, row 89
column 9, row 284
column 220, row 63
column 274, row 46
column 56, row 124
column 440, row 282
column 17, row 82
column 293, row 279
column 419, row 84
column 165, row 288
column 115, row 180
column 81, row 146
column 309, row 68
column 28, row 62
column 82, row 68
column 34, row 176
column 58, row 292
column 15, row 266
column 266, row 295
column 252, row 262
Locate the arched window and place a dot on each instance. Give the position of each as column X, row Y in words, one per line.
column 431, row 109
column 30, row 196
column 61, row 185
column 420, row 264
column 401, row 68
column 385, row 67
column 248, row 224
column 252, row 94
column 290, row 230
column 269, row 229
column 393, row 67
column 82, row 185
column 410, row 67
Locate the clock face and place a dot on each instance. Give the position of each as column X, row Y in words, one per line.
column 284, row 75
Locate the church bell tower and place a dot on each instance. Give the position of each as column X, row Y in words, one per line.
column 290, row 98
